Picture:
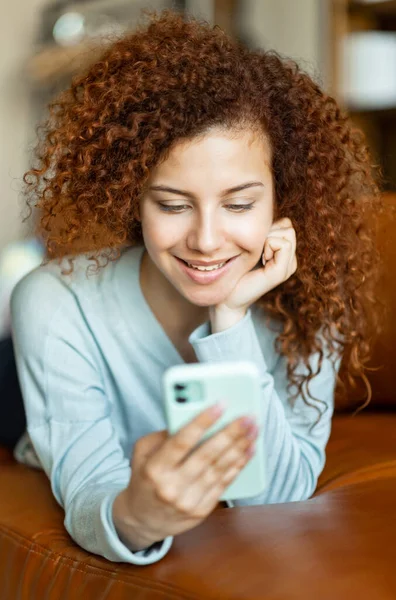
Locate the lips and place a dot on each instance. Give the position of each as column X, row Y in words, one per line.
column 205, row 277
column 204, row 264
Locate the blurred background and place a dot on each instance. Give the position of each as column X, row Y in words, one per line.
column 348, row 46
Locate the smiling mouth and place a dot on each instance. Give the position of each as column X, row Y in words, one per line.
column 207, row 268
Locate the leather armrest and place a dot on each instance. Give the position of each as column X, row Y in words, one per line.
column 339, row 544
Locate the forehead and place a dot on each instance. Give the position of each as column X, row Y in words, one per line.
column 217, row 154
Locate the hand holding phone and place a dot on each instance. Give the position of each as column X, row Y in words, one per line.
column 177, row 481
column 190, row 388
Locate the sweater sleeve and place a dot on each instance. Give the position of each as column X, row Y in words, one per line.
column 295, row 454
column 69, row 416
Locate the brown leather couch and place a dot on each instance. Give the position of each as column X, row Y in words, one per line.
column 340, row 544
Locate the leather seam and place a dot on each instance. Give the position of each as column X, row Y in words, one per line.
column 377, row 471
column 93, row 570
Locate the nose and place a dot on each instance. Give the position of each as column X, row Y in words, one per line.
column 206, row 235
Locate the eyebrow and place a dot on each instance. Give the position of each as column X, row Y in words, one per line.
column 237, row 188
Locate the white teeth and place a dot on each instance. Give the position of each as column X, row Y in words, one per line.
column 211, row 268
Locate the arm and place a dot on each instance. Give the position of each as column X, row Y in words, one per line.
column 69, row 416
column 295, row 456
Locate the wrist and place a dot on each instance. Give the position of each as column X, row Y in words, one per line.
column 222, row 317
column 131, row 532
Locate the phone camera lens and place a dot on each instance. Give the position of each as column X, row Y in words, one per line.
column 180, row 399
column 179, row 386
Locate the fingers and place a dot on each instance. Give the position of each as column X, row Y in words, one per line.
column 281, row 237
column 183, row 483
column 205, row 477
column 200, row 500
column 220, row 450
column 178, row 446
column 284, row 223
column 284, row 229
column 275, row 244
column 284, row 261
column 209, row 501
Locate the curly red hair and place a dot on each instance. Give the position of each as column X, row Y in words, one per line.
column 173, row 78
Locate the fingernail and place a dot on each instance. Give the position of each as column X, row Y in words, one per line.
column 253, row 432
column 248, row 422
column 217, row 409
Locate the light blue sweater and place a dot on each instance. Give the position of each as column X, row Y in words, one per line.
column 90, row 356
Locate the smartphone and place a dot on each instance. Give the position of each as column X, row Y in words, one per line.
column 189, row 389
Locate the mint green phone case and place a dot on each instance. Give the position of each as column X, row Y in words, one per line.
column 237, row 384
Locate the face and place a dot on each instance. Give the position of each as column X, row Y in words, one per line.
column 210, row 201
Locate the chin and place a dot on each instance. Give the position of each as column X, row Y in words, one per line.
column 205, row 298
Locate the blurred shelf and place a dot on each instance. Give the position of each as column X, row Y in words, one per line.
column 379, row 125
column 379, row 113
column 376, row 15
column 380, row 9
column 52, row 63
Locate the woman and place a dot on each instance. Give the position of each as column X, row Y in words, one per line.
column 205, row 202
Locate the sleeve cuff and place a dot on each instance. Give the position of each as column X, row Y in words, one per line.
column 116, row 551
column 238, row 342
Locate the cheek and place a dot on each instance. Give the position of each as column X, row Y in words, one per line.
column 253, row 235
column 158, row 233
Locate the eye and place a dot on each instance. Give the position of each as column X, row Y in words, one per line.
column 177, row 208
column 172, row 208
column 240, row 207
